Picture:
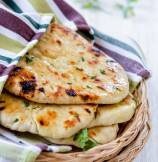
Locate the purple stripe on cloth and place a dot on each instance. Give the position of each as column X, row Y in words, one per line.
column 13, row 23
column 2, row 69
column 72, row 15
column 37, row 35
column 5, row 70
column 128, row 64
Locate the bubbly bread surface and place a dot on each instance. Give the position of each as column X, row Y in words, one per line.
column 59, row 121
column 114, row 114
column 101, row 135
column 64, row 68
column 56, row 121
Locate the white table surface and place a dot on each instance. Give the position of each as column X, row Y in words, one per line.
column 144, row 28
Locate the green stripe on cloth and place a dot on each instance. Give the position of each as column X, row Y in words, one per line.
column 35, row 24
column 10, row 44
column 17, row 153
column 6, row 59
column 13, row 6
column 116, row 42
column 40, row 6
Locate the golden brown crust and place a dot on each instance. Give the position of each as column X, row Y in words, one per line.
column 101, row 135
column 60, row 121
column 55, row 121
column 64, row 68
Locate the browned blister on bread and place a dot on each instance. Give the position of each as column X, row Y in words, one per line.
column 60, row 121
column 64, row 68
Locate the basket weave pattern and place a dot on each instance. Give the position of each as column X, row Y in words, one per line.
column 124, row 148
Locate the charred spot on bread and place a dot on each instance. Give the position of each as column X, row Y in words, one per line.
column 90, row 97
column 71, row 92
column 41, row 89
column 17, row 68
column 2, row 108
column 43, row 122
column 59, row 42
column 28, row 86
column 85, row 97
column 87, row 110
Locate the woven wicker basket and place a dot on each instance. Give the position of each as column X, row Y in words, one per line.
column 129, row 142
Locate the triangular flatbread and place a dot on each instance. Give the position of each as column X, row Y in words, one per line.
column 64, row 68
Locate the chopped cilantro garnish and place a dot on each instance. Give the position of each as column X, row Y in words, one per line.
column 26, row 103
column 117, row 88
column 93, row 77
column 90, row 144
column 80, row 69
column 102, row 71
column 82, row 59
column 16, row 120
column 83, row 140
column 52, row 64
column 29, row 59
column 89, row 87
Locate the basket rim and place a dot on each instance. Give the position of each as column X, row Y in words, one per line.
column 129, row 143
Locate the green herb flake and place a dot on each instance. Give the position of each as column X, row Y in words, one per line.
column 117, row 88
column 52, row 64
column 83, row 140
column 16, row 120
column 29, row 59
column 69, row 83
column 102, row 71
column 26, row 103
column 100, row 87
column 80, row 69
column 127, row 8
column 89, row 87
column 90, row 144
column 93, row 77
column 82, row 59
column 90, row 4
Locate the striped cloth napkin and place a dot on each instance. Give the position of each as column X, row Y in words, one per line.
column 21, row 25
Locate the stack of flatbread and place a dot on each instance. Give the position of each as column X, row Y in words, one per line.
column 67, row 91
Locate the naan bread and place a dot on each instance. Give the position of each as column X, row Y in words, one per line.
column 64, row 68
column 113, row 114
column 60, row 121
column 101, row 135
column 55, row 121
